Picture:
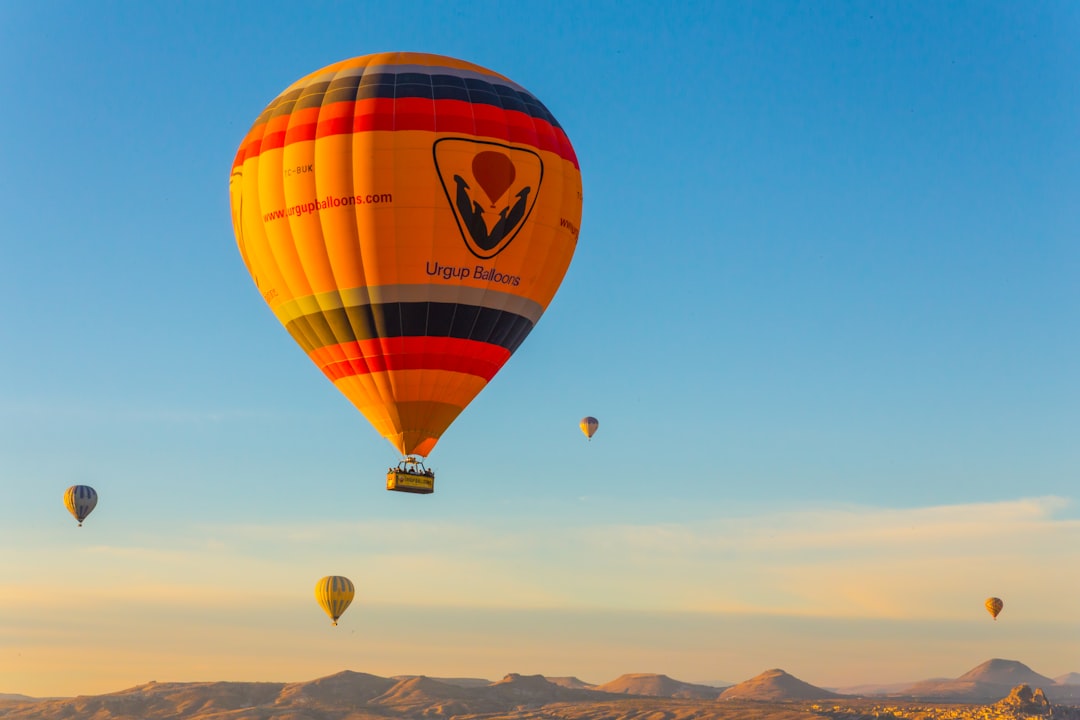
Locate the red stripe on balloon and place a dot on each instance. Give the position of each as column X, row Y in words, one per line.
column 410, row 353
column 388, row 115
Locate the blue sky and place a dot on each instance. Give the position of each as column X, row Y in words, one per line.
column 824, row 304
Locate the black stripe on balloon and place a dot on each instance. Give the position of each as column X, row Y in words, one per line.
column 410, row 319
column 353, row 86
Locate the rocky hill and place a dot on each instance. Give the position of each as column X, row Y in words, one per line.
column 1022, row 700
column 1004, row 672
column 774, row 686
column 346, row 687
column 988, row 682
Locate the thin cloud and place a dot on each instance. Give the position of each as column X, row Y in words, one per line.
column 845, row 528
column 831, row 562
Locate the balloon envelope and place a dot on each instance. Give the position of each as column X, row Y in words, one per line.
column 80, row 500
column 994, row 606
column 589, row 425
column 408, row 218
column 334, row 593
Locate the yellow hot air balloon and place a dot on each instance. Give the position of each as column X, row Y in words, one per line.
column 993, row 606
column 588, row 425
column 334, row 593
column 80, row 500
column 408, row 218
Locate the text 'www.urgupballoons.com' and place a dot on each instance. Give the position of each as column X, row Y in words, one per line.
column 327, row 203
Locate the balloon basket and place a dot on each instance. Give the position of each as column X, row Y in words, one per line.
column 411, row 476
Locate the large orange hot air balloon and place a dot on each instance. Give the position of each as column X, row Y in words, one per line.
column 994, row 606
column 408, row 218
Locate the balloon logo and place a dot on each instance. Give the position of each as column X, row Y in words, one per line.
column 517, row 174
column 993, row 606
column 80, row 500
column 494, row 172
column 334, row 593
column 589, row 425
column 363, row 206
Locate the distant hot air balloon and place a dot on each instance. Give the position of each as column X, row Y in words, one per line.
column 408, row 218
column 993, row 606
column 589, row 425
column 334, row 593
column 80, row 500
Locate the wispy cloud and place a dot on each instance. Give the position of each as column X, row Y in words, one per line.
column 849, row 528
column 932, row 562
column 822, row 526
column 858, row 561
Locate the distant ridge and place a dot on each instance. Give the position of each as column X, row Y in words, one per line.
column 536, row 689
column 570, row 682
column 416, row 695
column 151, row 701
column 1068, row 679
column 658, row 686
column 460, row 682
column 874, row 689
column 352, row 695
column 344, row 687
column 774, row 686
column 16, row 697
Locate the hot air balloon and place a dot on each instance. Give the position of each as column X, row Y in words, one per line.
column 408, row 218
column 993, row 606
column 334, row 593
column 80, row 500
column 589, row 424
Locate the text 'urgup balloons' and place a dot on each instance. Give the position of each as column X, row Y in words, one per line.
column 408, row 218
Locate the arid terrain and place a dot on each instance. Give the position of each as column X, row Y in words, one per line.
column 994, row 690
